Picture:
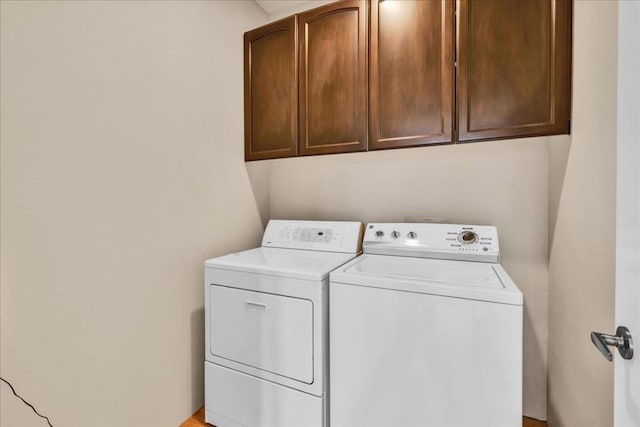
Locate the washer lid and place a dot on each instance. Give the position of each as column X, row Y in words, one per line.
column 459, row 279
column 293, row 263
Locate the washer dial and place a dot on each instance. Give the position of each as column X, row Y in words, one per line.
column 467, row 237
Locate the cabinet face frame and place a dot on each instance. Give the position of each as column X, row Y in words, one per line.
column 560, row 79
column 251, row 145
column 306, row 98
column 445, row 64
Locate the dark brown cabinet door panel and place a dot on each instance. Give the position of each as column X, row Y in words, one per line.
column 333, row 78
column 513, row 68
column 271, row 91
column 411, row 73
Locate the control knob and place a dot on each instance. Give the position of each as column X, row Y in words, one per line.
column 379, row 233
column 395, row 234
column 467, row 237
column 412, row 235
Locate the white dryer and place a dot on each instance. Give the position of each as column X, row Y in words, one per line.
column 425, row 331
column 266, row 323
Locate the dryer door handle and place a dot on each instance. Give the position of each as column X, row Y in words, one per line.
column 258, row 307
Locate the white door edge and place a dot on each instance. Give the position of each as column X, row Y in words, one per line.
column 627, row 372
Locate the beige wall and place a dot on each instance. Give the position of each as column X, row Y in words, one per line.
column 582, row 256
column 504, row 183
column 463, row 183
column 122, row 170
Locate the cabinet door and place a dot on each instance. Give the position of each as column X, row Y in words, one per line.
column 333, row 78
column 271, row 91
column 514, row 60
column 411, row 73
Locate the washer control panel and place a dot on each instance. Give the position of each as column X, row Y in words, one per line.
column 334, row 236
column 442, row 241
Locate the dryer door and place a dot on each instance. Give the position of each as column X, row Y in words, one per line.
column 270, row 332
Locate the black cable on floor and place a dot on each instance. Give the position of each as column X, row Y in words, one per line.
column 25, row 402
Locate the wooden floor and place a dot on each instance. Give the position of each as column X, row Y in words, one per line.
column 197, row 420
column 526, row 422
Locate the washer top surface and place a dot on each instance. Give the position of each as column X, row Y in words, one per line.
column 459, row 279
column 461, row 273
column 292, row 263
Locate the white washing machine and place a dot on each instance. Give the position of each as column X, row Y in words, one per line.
column 266, row 324
column 425, row 331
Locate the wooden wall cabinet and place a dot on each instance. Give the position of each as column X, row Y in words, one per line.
column 421, row 72
column 333, row 78
column 514, row 68
column 411, row 73
column 271, row 91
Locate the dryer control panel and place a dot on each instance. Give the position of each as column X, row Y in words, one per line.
column 441, row 241
column 330, row 236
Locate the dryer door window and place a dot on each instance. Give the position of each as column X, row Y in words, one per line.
column 270, row 332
